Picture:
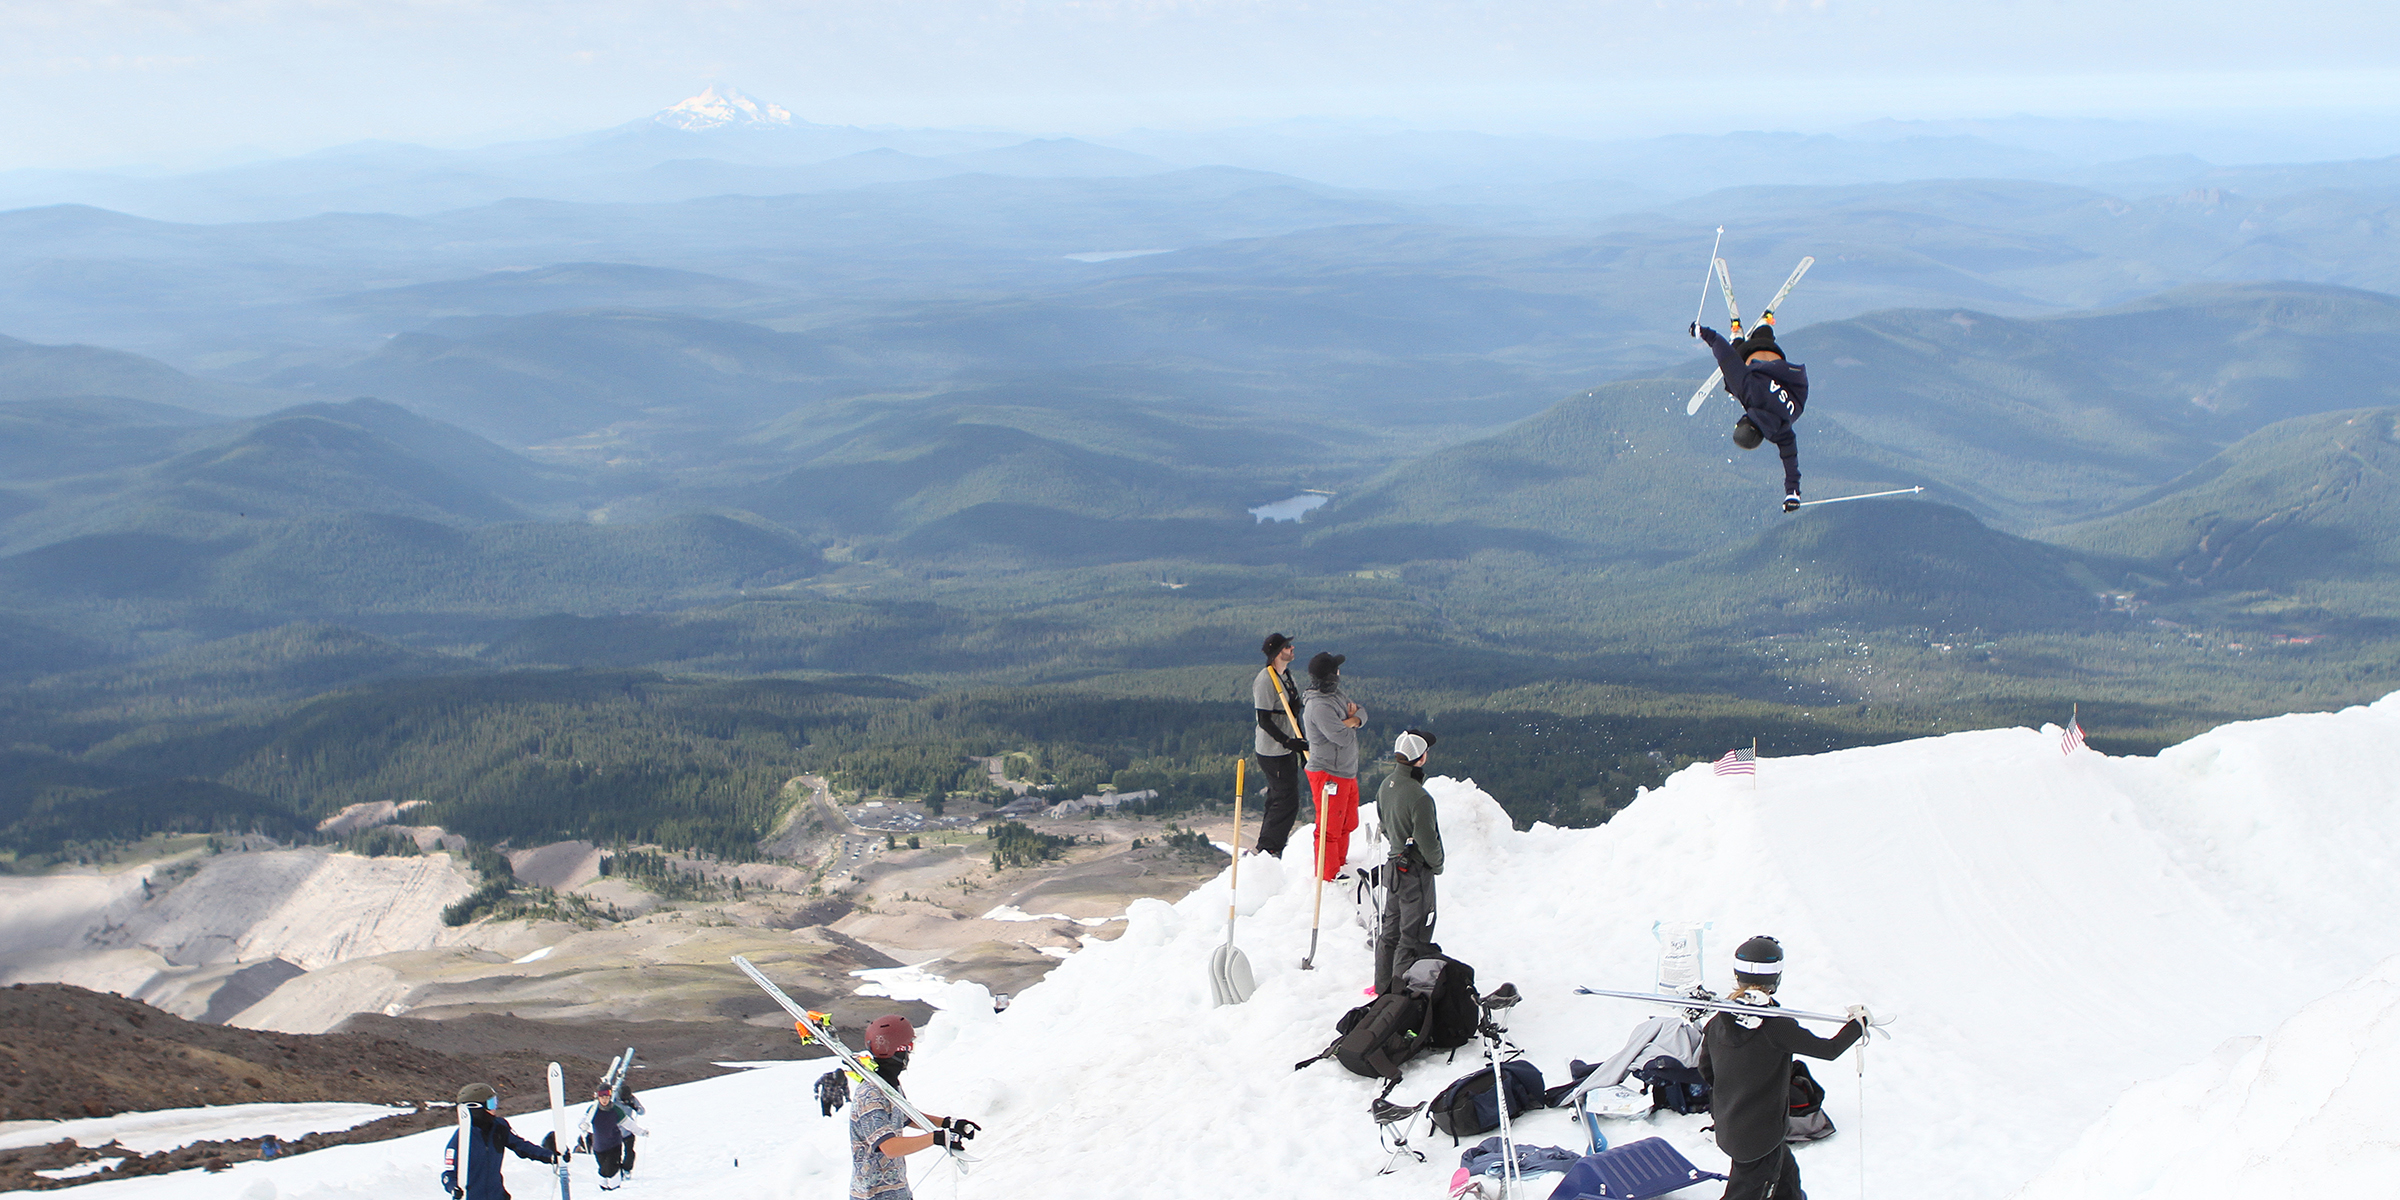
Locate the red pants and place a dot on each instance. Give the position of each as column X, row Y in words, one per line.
column 1337, row 815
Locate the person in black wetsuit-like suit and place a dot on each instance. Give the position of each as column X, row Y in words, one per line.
column 1747, row 1061
column 1773, row 393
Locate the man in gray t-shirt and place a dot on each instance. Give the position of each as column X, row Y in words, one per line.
column 1278, row 746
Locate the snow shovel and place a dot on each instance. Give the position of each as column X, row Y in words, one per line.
column 1316, row 875
column 1228, row 970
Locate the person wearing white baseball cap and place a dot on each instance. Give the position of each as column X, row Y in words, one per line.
column 1405, row 811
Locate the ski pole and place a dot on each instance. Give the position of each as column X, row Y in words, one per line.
column 1706, row 273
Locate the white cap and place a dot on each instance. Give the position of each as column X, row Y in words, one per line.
column 1409, row 745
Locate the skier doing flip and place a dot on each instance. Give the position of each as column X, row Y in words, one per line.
column 1773, row 393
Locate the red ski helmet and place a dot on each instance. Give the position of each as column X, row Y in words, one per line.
column 890, row 1035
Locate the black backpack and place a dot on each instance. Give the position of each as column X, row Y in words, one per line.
column 1378, row 1036
column 1674, row 1086
column 1466, row 1108
column 1808, row 1121
column 1455, row 1014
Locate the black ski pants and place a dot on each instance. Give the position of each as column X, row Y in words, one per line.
column 1773, row 1177
column 614, row 1159
column 1408, row 915
column 1282, row 773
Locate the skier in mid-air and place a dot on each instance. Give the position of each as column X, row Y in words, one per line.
column 1747, row 1061
column 1773, row 393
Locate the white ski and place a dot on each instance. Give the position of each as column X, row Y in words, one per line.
column 1906, row 491
column 466, row 1138
column 558, row 1126
column 825, row 1037
column 1739, row 1010
column 1691, row 408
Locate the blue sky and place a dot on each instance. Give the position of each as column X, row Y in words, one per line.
column 102, row 81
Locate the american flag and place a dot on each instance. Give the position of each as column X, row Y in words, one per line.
column 2073, row 737
column 1738, row 762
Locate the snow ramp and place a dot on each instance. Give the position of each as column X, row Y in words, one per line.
column 2050, row 930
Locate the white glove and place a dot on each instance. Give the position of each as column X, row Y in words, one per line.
column 1859, row 1013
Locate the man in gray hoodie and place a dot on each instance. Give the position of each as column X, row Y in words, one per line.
column 1330, row 722
column 1406, row 813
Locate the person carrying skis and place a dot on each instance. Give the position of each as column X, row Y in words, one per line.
column 1406, row 814
column 1773, row 393
column 1276, row 744
column 612, row 1131
column 1747, row 1062
column 492, row 1135
column 1330, row 722
column 878, row 1131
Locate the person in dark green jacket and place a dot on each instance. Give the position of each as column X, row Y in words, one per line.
column 1415, row 836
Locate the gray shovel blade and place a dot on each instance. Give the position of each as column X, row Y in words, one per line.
column 1229, row 976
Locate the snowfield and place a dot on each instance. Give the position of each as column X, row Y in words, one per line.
column 2057, row 936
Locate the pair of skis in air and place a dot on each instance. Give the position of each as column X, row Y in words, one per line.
column 1766, row 316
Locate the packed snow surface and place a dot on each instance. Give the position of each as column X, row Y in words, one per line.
column 2050, row 931
column 151, row 1132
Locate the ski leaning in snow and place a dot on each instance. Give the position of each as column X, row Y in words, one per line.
column 1691, row 408
column 1906, row 491
column 558, row 1127
column 824, row 1037
column 1726, row 1006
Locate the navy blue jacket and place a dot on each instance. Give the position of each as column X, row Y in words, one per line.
column 483, row 1166
column 1774, row 394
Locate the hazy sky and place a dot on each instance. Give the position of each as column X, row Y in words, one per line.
column 97, row 81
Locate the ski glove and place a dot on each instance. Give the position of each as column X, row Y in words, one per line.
column 961, row 1126
column 1791, row 503
column 950, row 1139
column 1859, row 1013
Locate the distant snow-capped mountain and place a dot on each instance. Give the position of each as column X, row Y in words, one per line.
column 712, row 109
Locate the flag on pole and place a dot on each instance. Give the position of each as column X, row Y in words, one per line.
column 1743, row 761
column 2073, row 737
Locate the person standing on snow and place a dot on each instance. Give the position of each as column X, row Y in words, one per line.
column 1747, row 1061
column 492, row 1135
column 612, row 1131
column 1330, row 722
column 1773, row 393
column 1406, row 813
column 1276, row 744
column 878, row 1131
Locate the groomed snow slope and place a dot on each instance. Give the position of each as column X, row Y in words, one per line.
column 2306, row 1111
column 2050, row 930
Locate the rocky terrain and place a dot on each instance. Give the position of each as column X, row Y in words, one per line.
column 68, row 1052
column 281, row 974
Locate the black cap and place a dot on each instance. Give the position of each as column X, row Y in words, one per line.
column 1274, row 644
column 1427, row 734
column 1746, row 434
column 1326, row 665
column 1761, row 338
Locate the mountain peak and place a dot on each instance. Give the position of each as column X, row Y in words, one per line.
column 712, row 109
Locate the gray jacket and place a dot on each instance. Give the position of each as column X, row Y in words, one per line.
column 1332, row 746
column 1406, row 813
